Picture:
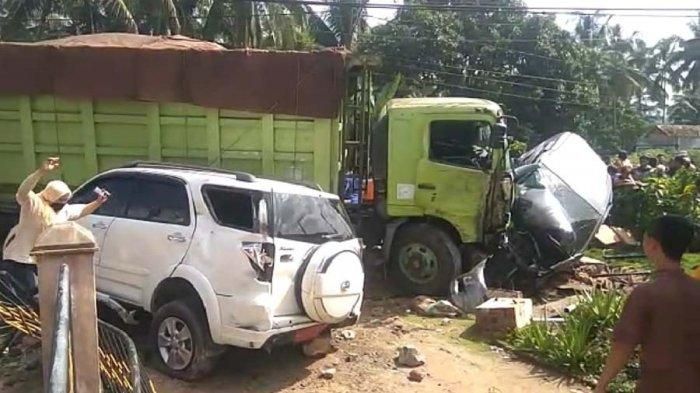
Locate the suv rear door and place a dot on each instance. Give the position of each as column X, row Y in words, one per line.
column 301, row 224
column 149, row 240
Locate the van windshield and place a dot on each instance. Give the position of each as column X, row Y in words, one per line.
column 310, row 218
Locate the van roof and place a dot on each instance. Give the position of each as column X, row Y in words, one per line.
column 446, row 104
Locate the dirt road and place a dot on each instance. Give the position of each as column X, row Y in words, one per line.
column 366, row 363
column 454, row 363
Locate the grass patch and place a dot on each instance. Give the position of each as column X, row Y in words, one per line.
column 690, row 260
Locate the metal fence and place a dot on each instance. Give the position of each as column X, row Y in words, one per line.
column 120, row 368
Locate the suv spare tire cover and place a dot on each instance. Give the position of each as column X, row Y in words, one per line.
column 332, row 283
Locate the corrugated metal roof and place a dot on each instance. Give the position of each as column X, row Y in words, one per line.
column 679, row 131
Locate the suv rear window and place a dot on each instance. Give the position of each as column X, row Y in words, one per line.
column 231, row 208
column 310, row 218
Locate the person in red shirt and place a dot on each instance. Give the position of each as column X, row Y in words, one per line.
column 662, row 317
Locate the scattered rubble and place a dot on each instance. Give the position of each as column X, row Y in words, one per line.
column 410, row 357
column 611, row 236
column 502, row 315
column 497, row 292
column 319, row 347
column 328, row 373
column 415, row 376
column 426, row 306
column 348, row 334
column 445, row 321
column 350, row 357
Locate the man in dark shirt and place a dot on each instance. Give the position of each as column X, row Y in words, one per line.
column 663, row 316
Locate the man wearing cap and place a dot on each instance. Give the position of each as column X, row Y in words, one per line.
column 38, row 212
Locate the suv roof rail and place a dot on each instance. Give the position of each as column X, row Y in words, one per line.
column 242, row 176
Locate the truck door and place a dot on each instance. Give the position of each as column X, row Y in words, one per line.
column 452, row 176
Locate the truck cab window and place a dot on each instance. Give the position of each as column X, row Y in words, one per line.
column 462, row 143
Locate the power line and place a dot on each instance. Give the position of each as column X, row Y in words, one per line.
column 526, row 76
column 487, row 79
column 584, row 11
column 497, row 92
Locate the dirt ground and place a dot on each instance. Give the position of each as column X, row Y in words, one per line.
column 455, row 362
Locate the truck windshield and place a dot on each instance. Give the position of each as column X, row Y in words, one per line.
column 310, row 218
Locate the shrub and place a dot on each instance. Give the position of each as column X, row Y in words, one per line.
column 580, row 344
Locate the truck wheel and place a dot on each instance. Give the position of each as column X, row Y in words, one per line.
column 424, row 260
column 181, row 342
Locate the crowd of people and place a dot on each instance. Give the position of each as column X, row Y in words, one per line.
column 626, row 174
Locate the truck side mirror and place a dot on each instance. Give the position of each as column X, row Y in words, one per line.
column 498, row 136
column 263, row 224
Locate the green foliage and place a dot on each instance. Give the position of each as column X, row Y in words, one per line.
column 581, row 343
column 517, row 148
column 678, row 194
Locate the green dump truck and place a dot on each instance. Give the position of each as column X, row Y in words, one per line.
column 427, row 183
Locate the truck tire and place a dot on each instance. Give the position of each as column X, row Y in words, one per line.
column 424, row 260
column 181, row 342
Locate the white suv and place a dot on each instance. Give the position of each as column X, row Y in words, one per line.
column 223, row 258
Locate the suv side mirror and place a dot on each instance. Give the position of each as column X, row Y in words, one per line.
column 263, row 224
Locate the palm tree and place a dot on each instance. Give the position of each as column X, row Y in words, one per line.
column 341, row 25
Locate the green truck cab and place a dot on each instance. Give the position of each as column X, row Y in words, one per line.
column 440, row 169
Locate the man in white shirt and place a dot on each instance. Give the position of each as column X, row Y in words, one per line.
column 38, row 212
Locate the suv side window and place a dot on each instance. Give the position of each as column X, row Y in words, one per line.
column 456, row 142
column 120, row 189
column 160, row 200
column 230, row 207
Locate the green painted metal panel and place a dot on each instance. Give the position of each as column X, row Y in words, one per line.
column 25, row 121
column 93, row 136
column 155, row 152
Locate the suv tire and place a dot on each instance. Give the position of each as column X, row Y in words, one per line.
column 183, row 327
column 435, row 254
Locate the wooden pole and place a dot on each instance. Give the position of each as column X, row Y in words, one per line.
column 74, row 246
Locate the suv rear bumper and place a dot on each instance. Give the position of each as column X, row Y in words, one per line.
column 269, row 339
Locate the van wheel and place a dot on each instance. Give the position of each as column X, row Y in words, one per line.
column 424, row 260
column 181, row 342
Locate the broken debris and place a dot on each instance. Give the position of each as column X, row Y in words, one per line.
column 426, row 306
column 328, row 373
column 410, row 357
column 319, row 347
column 501, row 315
column 416, row 376
column 348, row 334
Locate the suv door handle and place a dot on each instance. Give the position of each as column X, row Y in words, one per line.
column 99, row 225
column 426, row 186
column 177, row 237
